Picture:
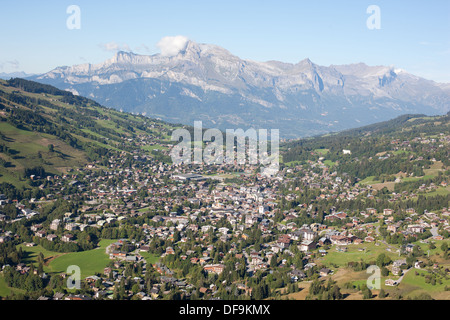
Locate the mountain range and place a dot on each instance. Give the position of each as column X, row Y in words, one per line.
column 204, row 82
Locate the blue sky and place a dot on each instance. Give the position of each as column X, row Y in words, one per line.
column 414, row 35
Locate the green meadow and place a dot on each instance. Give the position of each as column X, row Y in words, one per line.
column 366, row 252
column 90, row 262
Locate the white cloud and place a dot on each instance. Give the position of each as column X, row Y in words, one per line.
column 12, row 64
column 143, row 48
column 171, row 46
column 113, row 46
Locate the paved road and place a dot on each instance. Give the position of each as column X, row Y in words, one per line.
column 401, row 278
column 434, row 231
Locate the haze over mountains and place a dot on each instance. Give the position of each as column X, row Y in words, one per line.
column 206, row 82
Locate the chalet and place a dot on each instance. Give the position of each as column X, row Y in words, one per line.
column 203, row 260
column 51, row 237
column 284, row 241
column 118, row 255
column 296, row 274
column 55, row 224
column 341, row 215
column 324, row 241
column 303, row 233
column 399, row 263
column 78, row 297
column 390, row 282
column 204, row 290
column 195, row 260
column 169, row 250
column 154, row 292
column 415, row 228
column 40, row 233
column 388, row 212
column 67, row 238
column 397, row 271
column 392, row 228
column 144, row 248
column 214, row 268
column 36, row 227
column 340, row 240
column 307, row 245
column 324, row 272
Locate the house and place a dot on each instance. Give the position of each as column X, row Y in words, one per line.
column 58, row 296
column 51, row 237
column 390, row 282
column 324, row 241
column 154, row 292
column 36, row 227
column 324, row 272
column 307, row 245
column 71, row 226
column 169, row 250
column 214, row 268
column 398, row 263
column 78, row 297
column 204, row 290
column 303, row 233
column 144, row 248
column 284, row 241
column 55, row 224
column 297, row 274
column 67, row 238
column 392, row 228
column 415, row 228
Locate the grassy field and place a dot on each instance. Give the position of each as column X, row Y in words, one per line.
column 153, row 147
column 150, row 257
column 31, row 149
column 369, row 180
column 433, row 252
column 90, row 262
column 322, row 151
column 32, row 253
column 443, row 191
column 413, row 285
column 329, row 163
column 355, row 253
column 5, row 290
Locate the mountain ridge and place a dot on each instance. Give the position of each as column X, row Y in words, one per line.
column 206, row 82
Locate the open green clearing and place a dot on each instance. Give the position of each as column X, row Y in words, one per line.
column 31, row 253
column 413, row 285
column 5, row 290
column 329, row 163
column 356, row 253
column 322, row 151
column 150, row 257
column 90, row 262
